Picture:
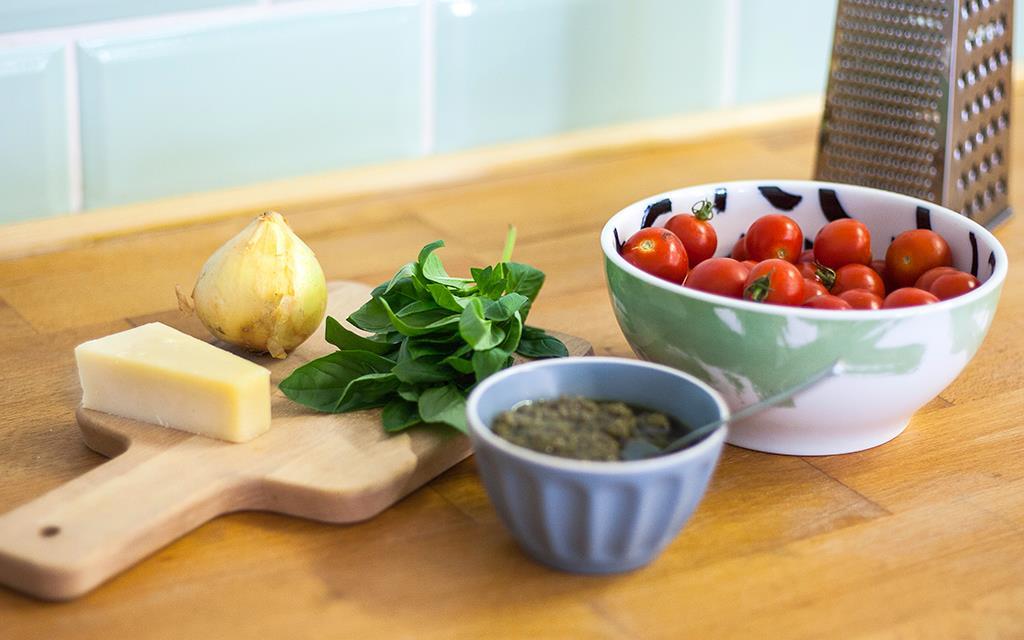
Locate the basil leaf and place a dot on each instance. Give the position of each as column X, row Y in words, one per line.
column 408, row 271
column 444, row 404
column 346, row 340
column 488, row 362
column 398, row 414
column 481, row 334
column 525, row 280
column 419, row 324
column 431, row 268
column 490, row 281
column 459, row 363
column 366, row 392
column 408, row 392
column 458, row 360
column 420, row 307
column 422, row 372
column 504, row 307
column 371, row 317
column 427, row 250
column 321, row 384
column 513, row 335
column 418, row 349
column 445, row 299
column 535, row 343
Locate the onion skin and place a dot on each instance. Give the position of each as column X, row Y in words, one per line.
column 263, row 290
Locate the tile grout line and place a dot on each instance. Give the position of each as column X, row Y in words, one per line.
column 730, row 54
column 202, row 18
column 73, row 120
column 428, row 77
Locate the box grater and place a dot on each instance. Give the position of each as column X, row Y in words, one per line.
column 918, row 101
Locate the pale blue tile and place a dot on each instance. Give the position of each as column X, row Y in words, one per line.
column 513, row 69
column 33, row 134
column 20, row 15
column 228, row 106
column 784, row 48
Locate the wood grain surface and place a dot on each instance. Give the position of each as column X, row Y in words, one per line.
column 919, row 538
column 329, row 467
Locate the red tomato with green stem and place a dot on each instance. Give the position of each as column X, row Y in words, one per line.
column 908, row 297
column 695, row 232
column 775, row 281
column 818, row 273
column 658, row 252
column 858, row 276
column 951, row 285
column 862, row 299
column 774, row 236
column 913, row 253
column 723, row 276
column 841, row 242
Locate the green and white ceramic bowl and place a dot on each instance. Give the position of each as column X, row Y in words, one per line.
column 896, row 360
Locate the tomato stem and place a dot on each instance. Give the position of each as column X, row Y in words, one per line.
column 759, row 289
column 826, row 275
column 703, row 210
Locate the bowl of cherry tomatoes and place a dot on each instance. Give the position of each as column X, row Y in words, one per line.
column 756, row 286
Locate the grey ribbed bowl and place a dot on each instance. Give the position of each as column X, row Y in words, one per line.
column 594, row 517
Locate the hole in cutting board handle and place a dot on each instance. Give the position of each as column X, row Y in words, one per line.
column 49, row 531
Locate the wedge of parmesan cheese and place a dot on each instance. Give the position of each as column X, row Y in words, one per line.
column 160, row 375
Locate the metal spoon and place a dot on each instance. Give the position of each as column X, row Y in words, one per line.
column 638, row 449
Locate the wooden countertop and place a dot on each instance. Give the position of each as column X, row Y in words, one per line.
column 921, row 537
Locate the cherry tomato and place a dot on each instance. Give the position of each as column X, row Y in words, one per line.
column 806, row 256
column 827, row 302
column 908, row 297
column 696, row 233
column 658, row 252
column 774, row 236
column 813, row 289
column 750, row 264
column 879, row 267
column 739, row 250
column 843, row 241
column 914, row 252
column 931, row 275
column 862, row 299
column 858, row 276
column 723, row 276
column 951, row 285
column 818, row 273
column 775, row 281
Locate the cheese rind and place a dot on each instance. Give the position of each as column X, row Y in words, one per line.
column 160, row 375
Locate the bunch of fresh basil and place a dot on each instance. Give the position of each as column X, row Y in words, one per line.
column 432, row 338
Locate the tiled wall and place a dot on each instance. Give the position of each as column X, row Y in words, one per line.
column 104, row 102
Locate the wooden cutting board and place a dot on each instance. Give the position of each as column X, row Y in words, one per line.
column 163, row 483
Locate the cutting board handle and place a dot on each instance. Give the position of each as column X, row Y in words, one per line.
column 71, row 539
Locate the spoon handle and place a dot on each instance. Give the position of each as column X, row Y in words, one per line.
column 704, row 430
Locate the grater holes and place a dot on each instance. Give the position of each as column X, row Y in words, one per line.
column 1001, row 186
column 985, row 33
column 983, row 102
